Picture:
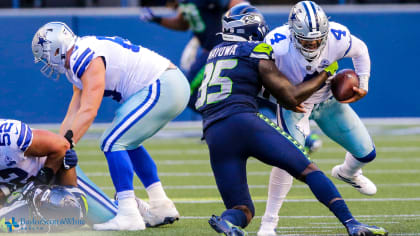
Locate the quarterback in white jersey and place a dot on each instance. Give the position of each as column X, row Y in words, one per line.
column 151, row 90
column 302, row 48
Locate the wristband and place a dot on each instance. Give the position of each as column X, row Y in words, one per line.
column 69, row 137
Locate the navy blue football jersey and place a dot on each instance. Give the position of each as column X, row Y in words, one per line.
column 205, row 19
column 231, row 80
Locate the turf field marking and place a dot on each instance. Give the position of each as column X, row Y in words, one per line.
column 193, row 201
column 315, row 217
column 204, row 151
column 253, row 161
column 189, row 187
column 252, row 173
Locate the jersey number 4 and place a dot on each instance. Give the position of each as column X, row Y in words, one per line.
column 212, row 78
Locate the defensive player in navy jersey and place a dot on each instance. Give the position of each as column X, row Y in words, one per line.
column 203, row 18
column 234, row 130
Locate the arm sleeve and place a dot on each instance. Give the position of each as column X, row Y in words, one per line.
column 359, row 53
column 25, row 137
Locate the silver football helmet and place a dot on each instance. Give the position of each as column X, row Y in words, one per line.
column 308, row 25
column 50, row 45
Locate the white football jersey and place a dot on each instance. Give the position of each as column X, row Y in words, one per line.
column 340, row 44
column 15, row 138
column 129, row 68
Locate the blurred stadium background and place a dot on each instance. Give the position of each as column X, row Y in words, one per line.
column 391, row 110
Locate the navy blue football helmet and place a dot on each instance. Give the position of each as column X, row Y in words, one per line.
column 244, row 22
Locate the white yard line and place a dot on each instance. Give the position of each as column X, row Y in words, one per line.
column 189, row 187
column 306, row 200
column 253, row 161
column 254, row 173
column 317, row 217
column 197, row 151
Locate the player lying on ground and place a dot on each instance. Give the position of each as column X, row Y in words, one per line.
column 234, row 130
column 309, row 42
column 30, row 158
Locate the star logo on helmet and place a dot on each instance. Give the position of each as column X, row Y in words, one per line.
column 293, row 17
column 41, row 41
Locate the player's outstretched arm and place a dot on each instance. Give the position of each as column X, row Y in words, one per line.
column 49, row 144
column 93, row 81
column 288, row 95
column 71, row 111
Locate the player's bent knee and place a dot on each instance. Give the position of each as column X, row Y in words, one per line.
column 368, row 158
column 309, row 169
column 248, row 210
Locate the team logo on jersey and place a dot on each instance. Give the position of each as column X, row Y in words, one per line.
column 324, row 63
column 308, row 67
column 10, row 161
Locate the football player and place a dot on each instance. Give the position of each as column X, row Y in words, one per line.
column 33, row 155
column 234, row 130
column 151, row 90
column 203, row 18
column 310, row 42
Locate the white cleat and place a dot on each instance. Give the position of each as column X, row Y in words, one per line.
column 268, row 226
column 358, row 181
column 158, row 212
column 128, row 218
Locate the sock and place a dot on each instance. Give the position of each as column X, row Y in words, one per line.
column 125, row 194
column 235, row 216
column 325, row 191
column 144, row 166
column 156, row 192
column 121, row 170
column 351, row 165
column 279, row 186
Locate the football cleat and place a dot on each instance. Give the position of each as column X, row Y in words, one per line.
column 128, row 218
column 159, row 215
column 358, row 181
column 268, row 226
column 223, row 226
column 360, row 229
column 313, row 143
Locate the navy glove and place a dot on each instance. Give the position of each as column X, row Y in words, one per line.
column 70, row 159
column 147, row 15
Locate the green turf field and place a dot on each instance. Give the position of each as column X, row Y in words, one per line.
column 184, row 168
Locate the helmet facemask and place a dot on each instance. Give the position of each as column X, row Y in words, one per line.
column 304, row 45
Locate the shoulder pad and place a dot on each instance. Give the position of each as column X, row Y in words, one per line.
column 339, row 38
column 262, row 51
column 279, row 39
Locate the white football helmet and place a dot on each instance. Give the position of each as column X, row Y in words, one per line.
column 50, row 45
column 308, row 22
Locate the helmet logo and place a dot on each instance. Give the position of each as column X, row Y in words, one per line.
column 41, row 41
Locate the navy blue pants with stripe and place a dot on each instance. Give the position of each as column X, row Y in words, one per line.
column 233, row 140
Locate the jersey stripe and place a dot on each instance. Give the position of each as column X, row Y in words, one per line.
column 348, row 49
column 310, row 15
column 28, row 139
column 91, row 191
column 22, row 134
column 316, row 18
column 85, row 64
column 80, row 59
column 133, row 117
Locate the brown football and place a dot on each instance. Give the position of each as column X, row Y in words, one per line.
column 342, row 84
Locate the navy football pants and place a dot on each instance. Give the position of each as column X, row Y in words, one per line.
column 232, row 140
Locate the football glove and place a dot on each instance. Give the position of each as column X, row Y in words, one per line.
column 331, row 69
column 147, row 15
column 70, row 159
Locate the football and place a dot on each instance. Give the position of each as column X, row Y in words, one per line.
column 342, row 84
